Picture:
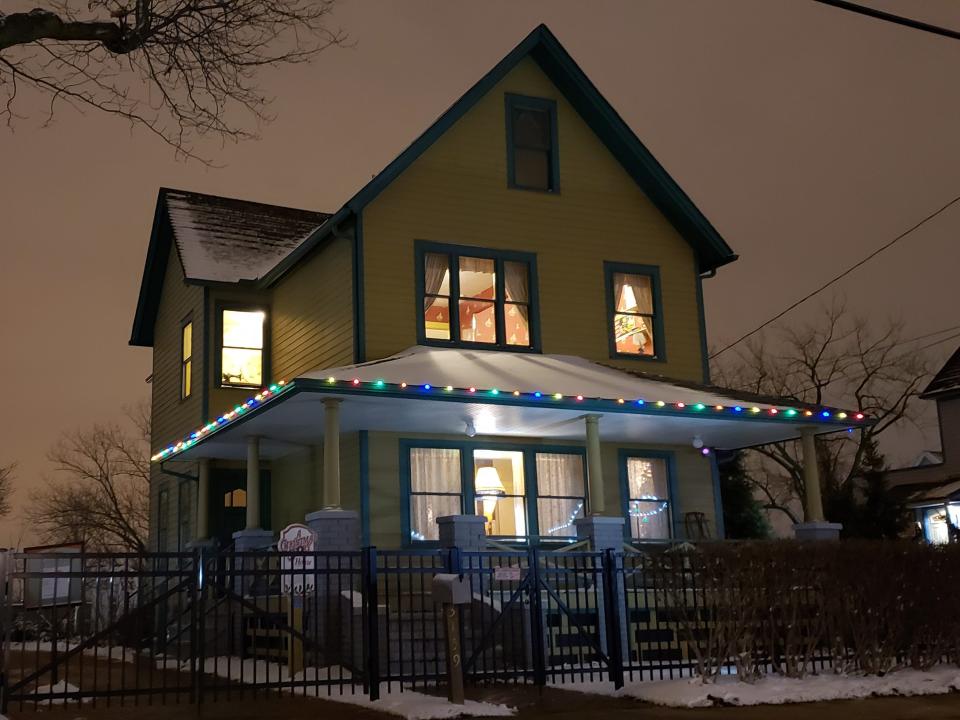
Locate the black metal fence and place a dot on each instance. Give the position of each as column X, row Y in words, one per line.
column 193, row 628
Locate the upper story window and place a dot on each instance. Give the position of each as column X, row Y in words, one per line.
column 532, row 162
column 242, row 348
column 634, row 311
column 186, row 360
column 479, row 298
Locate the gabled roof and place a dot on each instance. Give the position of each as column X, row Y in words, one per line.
column 947, row 380
column 543, row 47
column 218, row 240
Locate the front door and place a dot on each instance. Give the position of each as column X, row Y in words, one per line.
column 228, row 502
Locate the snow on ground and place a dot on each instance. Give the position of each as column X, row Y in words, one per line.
column 61, row 687
column 776, row 690
column 407, row 704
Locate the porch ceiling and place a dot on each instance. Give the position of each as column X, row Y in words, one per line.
column 459, row 392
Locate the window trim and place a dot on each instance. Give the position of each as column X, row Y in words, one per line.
column 467, row 496
column 673, row 507
column 512, row 101
column 188, row 320
column 653, row 272
column 422, row 247
column 219, row 307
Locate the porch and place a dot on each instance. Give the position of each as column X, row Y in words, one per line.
column 504, row 411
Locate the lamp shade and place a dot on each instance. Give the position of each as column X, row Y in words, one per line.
column 487, row 483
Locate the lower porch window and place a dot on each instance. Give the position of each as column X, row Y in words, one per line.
column 520, row 492
column 648, row 497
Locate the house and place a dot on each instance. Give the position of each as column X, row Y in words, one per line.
column 931, row 486
column 505, row 323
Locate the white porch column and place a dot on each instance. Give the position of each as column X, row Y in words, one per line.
column 813, row 527
column 331, row 453
column 813, row 504
column 203, row 499
column 595, row 499
column 253, row 483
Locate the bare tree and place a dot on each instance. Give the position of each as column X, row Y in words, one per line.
column 6, row 487
column 101, row 490
column 180, row 68
column 838, row 360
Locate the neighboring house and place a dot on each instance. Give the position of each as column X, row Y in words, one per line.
column 931, row 486
column 507, row 321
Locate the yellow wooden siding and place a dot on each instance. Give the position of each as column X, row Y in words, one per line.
column 313, row 313
column 222, row 399
column 457, row 193
column 171, row 416
column 694, row 480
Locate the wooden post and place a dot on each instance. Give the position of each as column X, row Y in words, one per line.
column 331, row 453
column 253, row 483
column 203, row 499
column 813, row 504
column 451, row 614
column 596, row 504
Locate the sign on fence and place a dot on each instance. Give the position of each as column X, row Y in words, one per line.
column 504, row 574
column 297, row 538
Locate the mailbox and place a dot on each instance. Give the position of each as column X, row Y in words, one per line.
column 451, row 589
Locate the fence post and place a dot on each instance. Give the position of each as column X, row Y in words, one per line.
column 197, row 628
column 537, row 629
column 371, row 623
column 611, row 592
column 7, row 560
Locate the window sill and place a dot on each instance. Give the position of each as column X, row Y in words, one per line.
column 480, row 346
column 641, row 358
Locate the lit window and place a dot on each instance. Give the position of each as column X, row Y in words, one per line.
column 531, row 140
column 481, row 300
column 648, row 498
column 186, row 360
column 560, row 493
column 241, row 359
column 634, row 313
column 500, row 490
column 435, row 489
column 235, row 498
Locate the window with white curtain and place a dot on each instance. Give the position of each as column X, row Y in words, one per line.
column 435, row 489
column 480, row 298
column 648, row 498
column 560, row 493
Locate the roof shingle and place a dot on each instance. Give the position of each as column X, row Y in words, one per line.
column 226, row 240
column 947, row 380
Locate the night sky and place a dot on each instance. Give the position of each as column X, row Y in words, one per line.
column 808, row 135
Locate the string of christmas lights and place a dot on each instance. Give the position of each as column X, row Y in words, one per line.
column 646, row 406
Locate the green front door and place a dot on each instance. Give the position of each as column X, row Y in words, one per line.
column 228, row 502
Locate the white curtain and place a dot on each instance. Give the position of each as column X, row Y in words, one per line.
column 559, row 476
column 647, row 478
column 433, row 471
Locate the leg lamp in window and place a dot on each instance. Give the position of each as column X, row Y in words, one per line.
column 488, row 489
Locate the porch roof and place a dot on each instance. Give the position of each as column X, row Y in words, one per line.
column 947, row 491
column 456, row 391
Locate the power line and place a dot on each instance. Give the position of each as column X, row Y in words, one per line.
column 938, row 342
column 842, row 275
column 890, row 17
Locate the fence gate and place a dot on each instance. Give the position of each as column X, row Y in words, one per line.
column 544, row 617
column 97, row 628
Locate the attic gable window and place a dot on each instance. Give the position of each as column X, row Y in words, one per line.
column 473, row 297
column 532, row 158
column 242, row 348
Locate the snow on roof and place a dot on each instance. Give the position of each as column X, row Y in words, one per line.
column 568, row 375
column 227, row 240
column 945, row 491
column 947, row 380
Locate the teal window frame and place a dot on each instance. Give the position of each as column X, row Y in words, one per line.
column 265, row 351
column 515, row 102
column 659, row 342
column 673, row 508
column 453, row 253
column 467, row 464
